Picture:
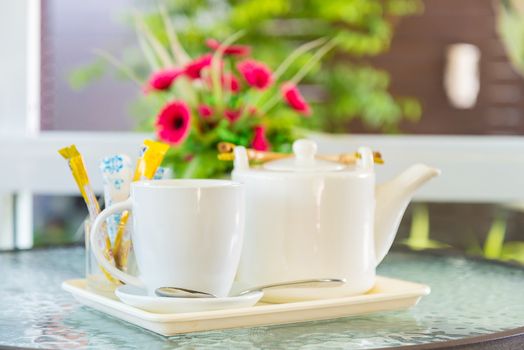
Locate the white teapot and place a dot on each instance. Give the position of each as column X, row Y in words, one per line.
column 311, row 218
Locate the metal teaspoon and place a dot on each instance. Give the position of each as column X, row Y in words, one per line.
column 176, row 292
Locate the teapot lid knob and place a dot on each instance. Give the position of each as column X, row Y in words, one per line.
column 304, row 160
column 241, row 161
column 366, row 159
column 305, row 149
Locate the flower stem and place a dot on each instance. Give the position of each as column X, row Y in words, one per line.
column 178, row 51
column 316, row 57
column 120, row 66
column 157, row 46
column 300, row 74
column 215, row 68
column 295, row 54
column 147, row 51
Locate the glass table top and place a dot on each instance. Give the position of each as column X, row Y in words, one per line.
column 468, row 298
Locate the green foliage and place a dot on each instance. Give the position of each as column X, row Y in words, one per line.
column 513, row 251
column 340, row 89
column 495, row 245
column 495, row 239
column 348, row 88
column 344, row 87
column 511, row 30
column 419, row 234
column 83, row 76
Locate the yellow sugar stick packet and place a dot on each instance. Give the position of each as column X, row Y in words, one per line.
column 79, row 171
column 120, row 246
column 151, row 157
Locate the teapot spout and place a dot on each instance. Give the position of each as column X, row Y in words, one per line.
column 392, row 198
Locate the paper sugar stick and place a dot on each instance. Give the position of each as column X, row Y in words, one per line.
column 117, row 172
column 152, row 154
column 79, row 171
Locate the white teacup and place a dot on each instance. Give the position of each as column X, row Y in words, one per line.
column 186, row 233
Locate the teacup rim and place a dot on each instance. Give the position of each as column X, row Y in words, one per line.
column 186, row 183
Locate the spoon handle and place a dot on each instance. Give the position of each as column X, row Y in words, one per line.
column 177, row 292
column 312, row 283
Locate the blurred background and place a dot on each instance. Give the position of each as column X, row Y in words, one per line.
column 400, row 67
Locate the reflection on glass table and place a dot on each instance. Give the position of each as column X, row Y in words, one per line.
column 469, row 298
column 481, row 229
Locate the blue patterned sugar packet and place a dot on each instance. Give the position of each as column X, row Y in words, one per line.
column 162, row 173
column 117, row 183
column 112, row 164
column 142, row 151
column 112, row 226
column 117, row 174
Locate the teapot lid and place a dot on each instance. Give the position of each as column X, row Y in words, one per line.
column 304, row 160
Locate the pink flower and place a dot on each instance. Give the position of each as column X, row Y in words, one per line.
column 236, row 50
column 252, row 111
column 194, row 68
column 257, row 74
column 230, row 82
column 162, row 80
column 205, row 111
column 294, row 98
column 260, row 141
column 173, row 122
column 232, row 114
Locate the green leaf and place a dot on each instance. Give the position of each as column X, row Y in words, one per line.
column 82, row 76
column 153, row 41
column 147, row 51
column 510, row 26
column 178, row 51
column 123, row 68
column 419, row 234
column 411, row 108
column 216, row 69
column 299, row 51
column 513, row 251
column 495, row 239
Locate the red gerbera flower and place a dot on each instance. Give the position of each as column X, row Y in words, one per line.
column 205, row 111
column 256, row 74
column 172, row 124
column 162, row 80
column 252, row 111
column 194, row 68
column 230, row 82
column 260, row 141
column 294, row 98
column 236, row 50
column 232, row 114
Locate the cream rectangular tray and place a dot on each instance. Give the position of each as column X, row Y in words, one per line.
column 388, row 294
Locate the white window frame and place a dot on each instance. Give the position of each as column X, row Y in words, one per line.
column 474, row 168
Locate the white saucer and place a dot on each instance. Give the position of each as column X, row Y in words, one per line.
column 164, row 305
